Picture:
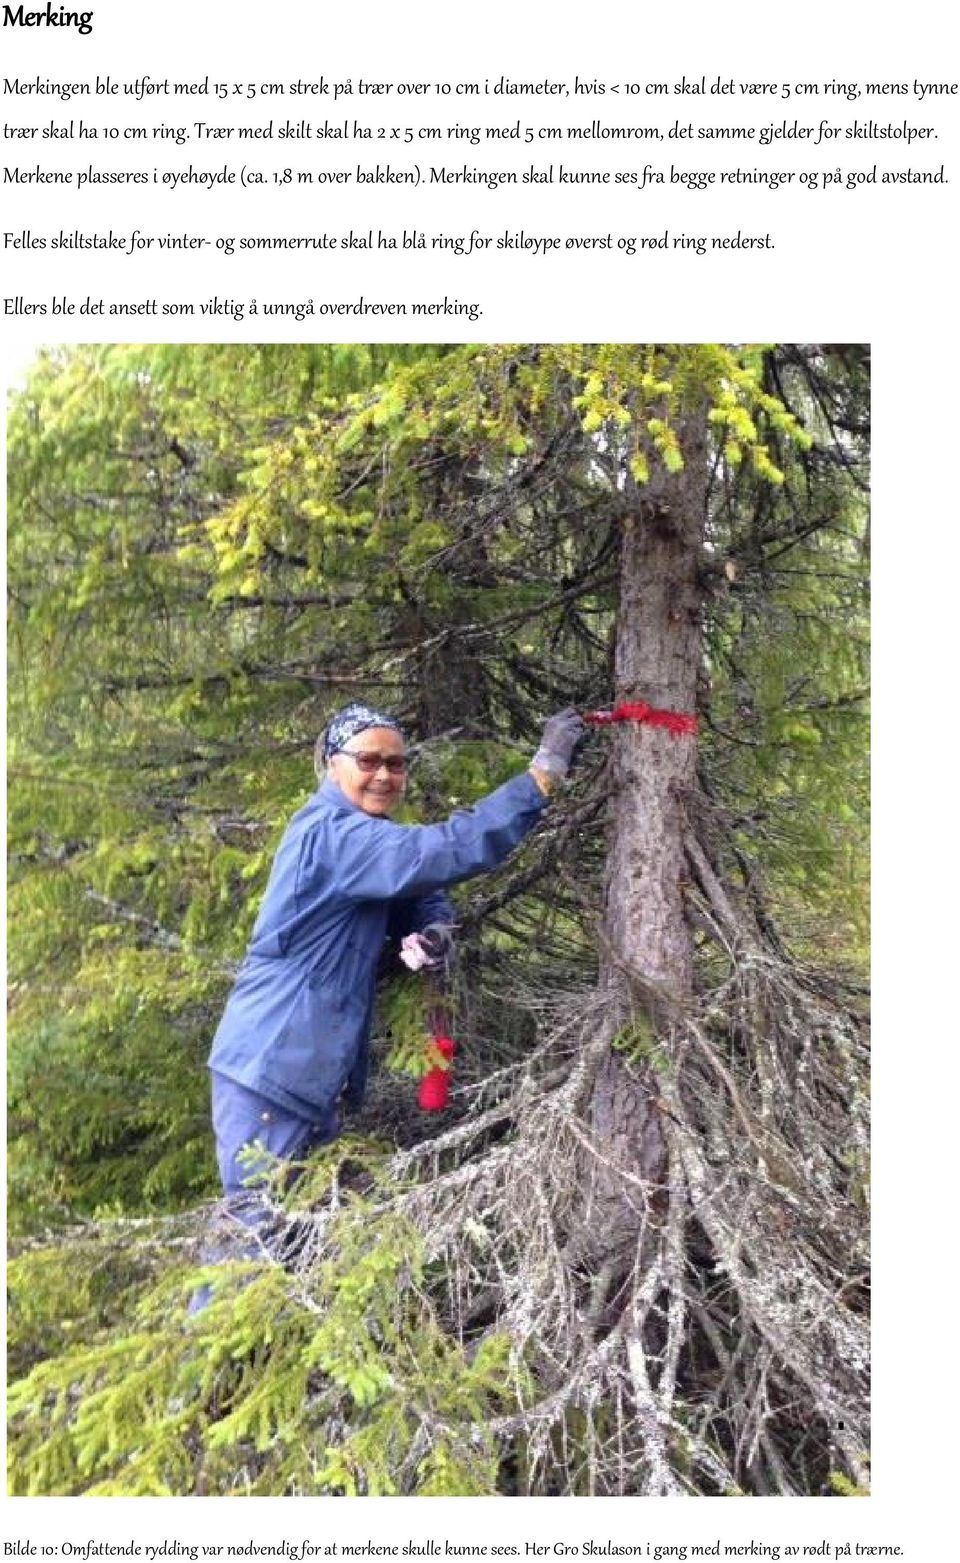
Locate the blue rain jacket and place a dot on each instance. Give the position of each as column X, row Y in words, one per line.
column 297, row 1023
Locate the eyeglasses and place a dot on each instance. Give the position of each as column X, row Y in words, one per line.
column 395, row 764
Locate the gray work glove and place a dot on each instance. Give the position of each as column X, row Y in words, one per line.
column 561, row 735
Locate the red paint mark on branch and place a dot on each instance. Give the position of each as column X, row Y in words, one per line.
column 435, row 1085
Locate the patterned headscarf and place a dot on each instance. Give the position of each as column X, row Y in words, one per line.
column 351, row 720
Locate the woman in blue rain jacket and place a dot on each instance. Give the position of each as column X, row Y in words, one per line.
column 294, row 1036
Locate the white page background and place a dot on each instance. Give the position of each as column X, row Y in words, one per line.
column 861, row 266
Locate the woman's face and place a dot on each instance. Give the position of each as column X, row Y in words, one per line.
column 376, row 791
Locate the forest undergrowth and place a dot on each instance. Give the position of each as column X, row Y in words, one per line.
column 447, row 1317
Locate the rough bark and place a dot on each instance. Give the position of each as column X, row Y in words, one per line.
column 646, row 969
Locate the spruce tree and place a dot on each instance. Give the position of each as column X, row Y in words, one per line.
column 637, row 1246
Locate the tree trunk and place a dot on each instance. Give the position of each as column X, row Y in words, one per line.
column 646, row 972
